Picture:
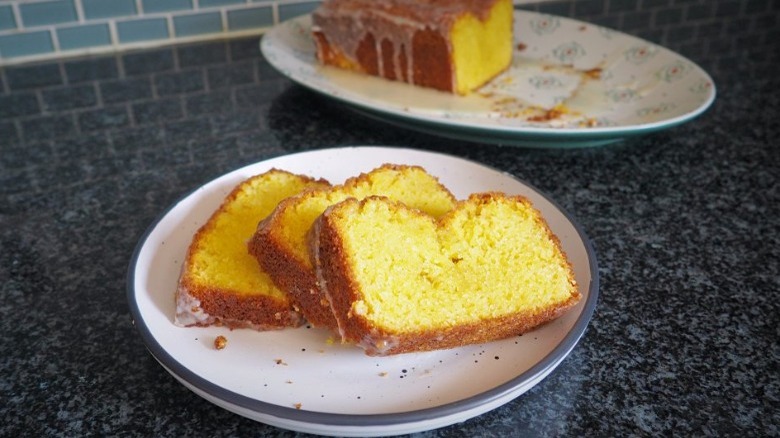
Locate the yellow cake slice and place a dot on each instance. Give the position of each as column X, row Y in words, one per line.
column 220, row 282
column 280, row 242
column 448, row 45
column 400, row 281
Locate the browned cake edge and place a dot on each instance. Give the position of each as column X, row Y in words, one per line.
column 430, row 59
column 223, row 307
column 287, row 272
column 216, row 306
column 336, row 280
column 397, row 40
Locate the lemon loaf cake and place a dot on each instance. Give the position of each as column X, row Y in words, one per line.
column 220, row 282
column 450, row 45
column 280, row 242
column 401, row 281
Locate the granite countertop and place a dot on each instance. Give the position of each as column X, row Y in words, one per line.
column 685, row 223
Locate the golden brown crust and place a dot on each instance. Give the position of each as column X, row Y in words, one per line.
column 294, row 276
column 334, row 273
column 377, row 342
column 234, row 310
column 287, row 271
column 357, row 34
column 204, row 305
column 338, row 282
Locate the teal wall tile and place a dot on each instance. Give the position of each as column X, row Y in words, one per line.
column 250, row 18
column 108, row 8
column 27, row 43
column 210, row 3
column 152, row 6
column 43, row 13
column 287, row 11
column 91, row 35
column 7, row 20
column 198, row 24
column 142, row 30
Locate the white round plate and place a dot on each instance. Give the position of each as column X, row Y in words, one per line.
column 300, row 379
column 641, row 87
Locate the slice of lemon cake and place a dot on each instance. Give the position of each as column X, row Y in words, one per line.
column 280, row 242
column 220, row 282
column 449, row 45
column 400, row 281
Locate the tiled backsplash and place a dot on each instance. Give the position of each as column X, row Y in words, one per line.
column 718, row 34
column 33, row 30
column 41, row 29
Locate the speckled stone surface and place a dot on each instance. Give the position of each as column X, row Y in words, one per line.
column 685, row 222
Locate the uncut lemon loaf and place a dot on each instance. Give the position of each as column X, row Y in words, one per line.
column 280, row 242
column 449, row 45
column 220, row 282
column 401, row 281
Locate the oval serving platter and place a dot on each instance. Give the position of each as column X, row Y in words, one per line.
column 571, row 84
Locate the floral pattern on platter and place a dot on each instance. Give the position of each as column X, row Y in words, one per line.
column 545, row 82
column 544, row 24
column 674, row 71
column 623, row 95
column 662, row 108
column 587, row 76
column 640, row 54
column 701, row 87
column 569, row 52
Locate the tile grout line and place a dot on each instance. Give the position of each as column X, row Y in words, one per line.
column 204, row 77
column 98, row 95
column 185, row 114
column 153, row 85
column 275, row 12
column 17, row 16
column 76, row 124
column 41, row 103
column 63, row 73
column 223, row 18
column 80, row 11
column 256, row 72
column 131, row 115
column 55, row 40
column 170, row 27
column 176, row 61
column 6, row 88
column 120, row 66
column 114, row 34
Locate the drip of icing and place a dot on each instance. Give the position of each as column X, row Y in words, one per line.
column 189, row 311
column 376, row 345
column 394, row 21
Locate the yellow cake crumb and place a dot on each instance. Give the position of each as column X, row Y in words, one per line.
column 401, row 279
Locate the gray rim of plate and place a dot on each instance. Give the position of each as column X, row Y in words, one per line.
column 312, row 417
